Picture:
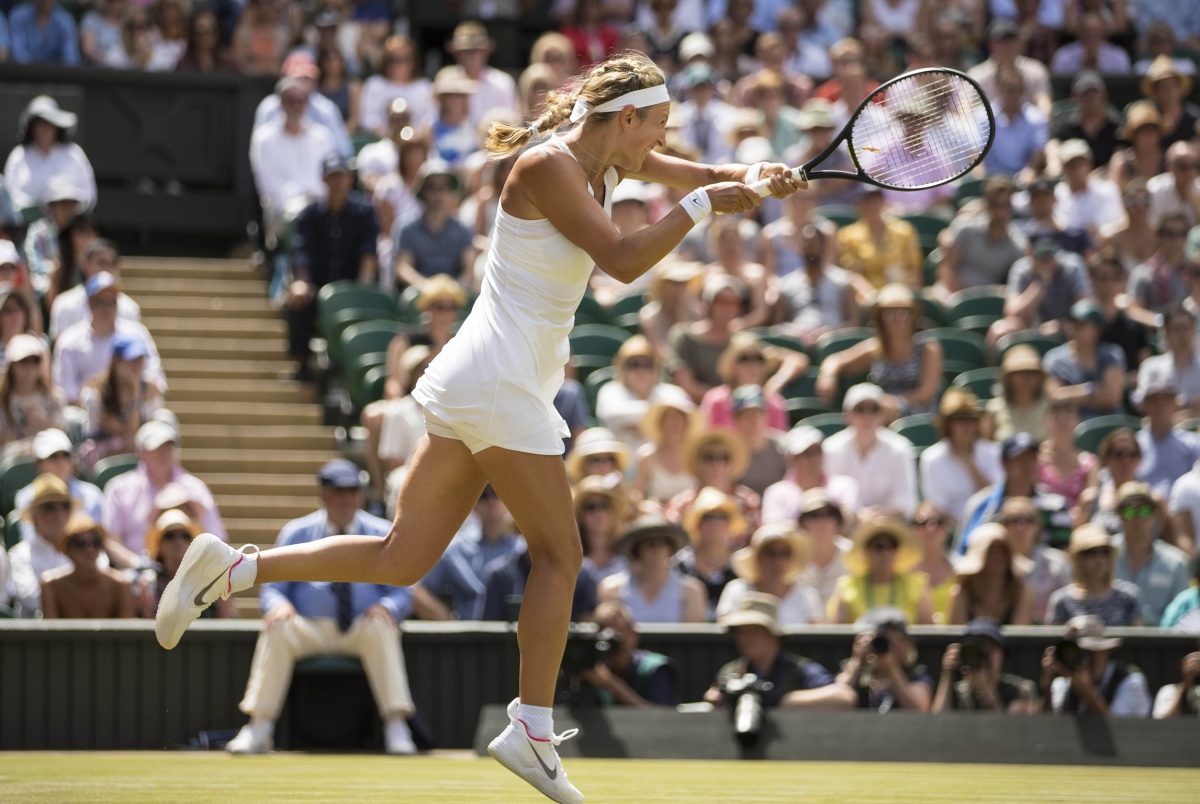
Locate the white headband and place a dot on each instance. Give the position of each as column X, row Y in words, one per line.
column 639, row 98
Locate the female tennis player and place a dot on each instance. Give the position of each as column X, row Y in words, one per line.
column 488, row 395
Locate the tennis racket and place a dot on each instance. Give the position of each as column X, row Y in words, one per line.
column 921, row 129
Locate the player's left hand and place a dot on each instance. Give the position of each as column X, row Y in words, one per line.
column 379, row 612
column 783, row 183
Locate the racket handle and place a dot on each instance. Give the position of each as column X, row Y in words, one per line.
column 763, row 186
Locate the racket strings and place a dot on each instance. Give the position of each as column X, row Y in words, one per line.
column 947, row 130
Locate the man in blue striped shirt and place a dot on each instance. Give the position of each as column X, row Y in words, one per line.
column 302, row 619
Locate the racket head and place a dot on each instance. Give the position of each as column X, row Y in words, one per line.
column 921, row 129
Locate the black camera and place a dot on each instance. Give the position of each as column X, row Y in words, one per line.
column 880, row 644
column 972, row 653
column 1068, row 654
column 587, row 648
column 745, row 696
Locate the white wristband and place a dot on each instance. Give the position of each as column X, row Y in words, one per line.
column 697, row 205
column 754, row 172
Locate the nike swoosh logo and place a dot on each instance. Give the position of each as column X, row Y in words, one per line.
column 199, row 601
column 553, row 774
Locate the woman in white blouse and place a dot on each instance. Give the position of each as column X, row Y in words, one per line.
column 46, row 151
column 398, row 77
column 622, row 404
column 773, row 564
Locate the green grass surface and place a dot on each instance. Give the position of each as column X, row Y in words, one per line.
column 172, row 777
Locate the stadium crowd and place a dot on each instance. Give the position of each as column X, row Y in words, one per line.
column 973, row 405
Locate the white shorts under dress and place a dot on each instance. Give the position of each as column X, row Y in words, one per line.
column 493, row 384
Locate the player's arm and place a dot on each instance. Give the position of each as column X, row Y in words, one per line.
column 685, row 175
column 550, row 184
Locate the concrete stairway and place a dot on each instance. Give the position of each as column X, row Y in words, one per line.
column 250, row 432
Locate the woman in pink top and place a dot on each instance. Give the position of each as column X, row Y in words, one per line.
column 1062, row 468
column 747, row 361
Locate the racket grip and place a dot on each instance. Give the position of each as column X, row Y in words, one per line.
column 763, row 186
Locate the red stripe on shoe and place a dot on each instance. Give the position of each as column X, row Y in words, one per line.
column 529, row 734
column 229, row 576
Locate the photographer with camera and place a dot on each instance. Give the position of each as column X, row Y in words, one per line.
column 1182, row 699
column 618, row 672
column 1083, row 677
column 795, row 682
column 882, row 669
column 973, row 677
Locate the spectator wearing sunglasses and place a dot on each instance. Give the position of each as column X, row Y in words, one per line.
column 166, row 543
column 86, row 589
column 1094, row 588
column 931, row 530
column 54, row 454
column 877, row 458
column 1159, row 570
column 1051, row 569
column 881, row 576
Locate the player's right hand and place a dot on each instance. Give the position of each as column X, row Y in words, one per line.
column 731, row 196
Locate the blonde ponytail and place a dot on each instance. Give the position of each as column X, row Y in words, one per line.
column 617, row 75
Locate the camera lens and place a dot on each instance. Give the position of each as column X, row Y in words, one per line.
column 880, row 644
column 1068, row 654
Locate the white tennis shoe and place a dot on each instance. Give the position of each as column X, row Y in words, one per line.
column 203, row 577
column 535, row 759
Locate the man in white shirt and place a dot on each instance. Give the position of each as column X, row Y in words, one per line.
column 320, row 110
column 1184, row 506
column 880, row 460
column 1090, row 51
column 85, row 349
column 961, row 462
column 286, row 156
column 71, row 306
column 1176, row 190
column 494, row 89
column 1084, row 201
column 1005, row 45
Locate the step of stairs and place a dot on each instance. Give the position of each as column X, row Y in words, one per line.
column 182, row 326
column 197, row 307
column 279, row 461
column 261, row 484
column 250, row 288
column 251, row 507
column 258, row 437
column 238, row 413
column 182, row 368
column 173, row 268
column 262, row 532
column 221, row 348
column 218, row 390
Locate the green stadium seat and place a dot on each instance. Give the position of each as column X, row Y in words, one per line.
column 1029, row 337
column 980, row 381
column 629, row 303
column 827, row 423
column 369, row 387
column 800, row 408
column 804, row 385
column 597, row 339
column 1090, row 433
column 928, row 228
column 630, row 322
column 108, row 468
column 595, row 381
column 839, row 340
column 933, row 312
column 918, row 428
column 16, row 472
column 952, row 369
column 930, row 267
column 361, row 140
column 838, row 214
column 966, row 190
column 345, row 295
column 586, row 364
column 986, row 300
column 589, row 311
column 12, row 529
column 979, row 324
column 367, row 337
column 963, row 347
column 355, row 375
column 342, row 321
column 789, row 342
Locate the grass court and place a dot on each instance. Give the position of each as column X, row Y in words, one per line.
column 461, row 777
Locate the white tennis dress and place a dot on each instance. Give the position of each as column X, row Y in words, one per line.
column 493, row 384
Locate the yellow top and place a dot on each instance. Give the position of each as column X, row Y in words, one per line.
column 858, row 597
column 896, row 259
column 939, row 596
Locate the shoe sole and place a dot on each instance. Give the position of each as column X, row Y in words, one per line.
column 499, row 753
column 171, row 619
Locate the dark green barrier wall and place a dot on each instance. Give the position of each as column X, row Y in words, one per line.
column 108, row 684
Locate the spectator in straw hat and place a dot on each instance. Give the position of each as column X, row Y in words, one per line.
column 54, row 454
column 455, row 137
column 797, row 682
column 471, row 46
column 879, row 460
column 717, row 458
column 85, row 589
column 802, row 445
column 667, row 427
column 596, row 452
column 1144, row 158
column 602, row 509
column 1088, row 679
column 991, row 581
column 773, row 564
column 47, row 513
column 673, row 299
column 747, row 361
column 622, row 404
column 1169, row 89
column 653, row 589
column 166, row 543
column 441, row 303
column 962, row 461
column 711, row 525
column 1094, row 589
column 1159, row 570
column 880, row 575
column 1022, row 403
